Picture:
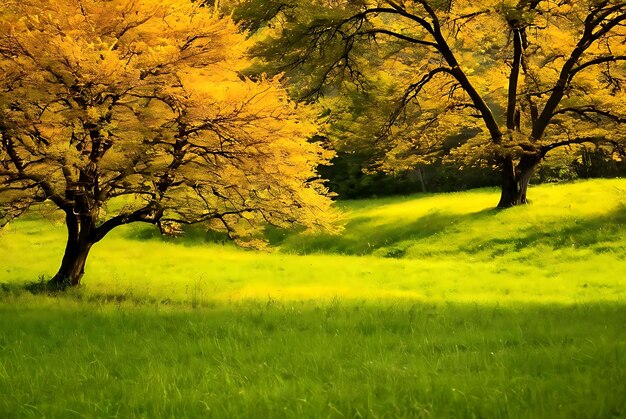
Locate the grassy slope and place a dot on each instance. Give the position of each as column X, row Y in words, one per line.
column 426, row 305
column 566, row 247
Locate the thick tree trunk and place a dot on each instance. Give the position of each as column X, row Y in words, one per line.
column 73, row 266
column 510, row 191
column 82, row 234
column 76, row 251
column 515, row 181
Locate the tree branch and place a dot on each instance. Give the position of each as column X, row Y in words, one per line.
column 596, row 61
column 411, row 93
column 514, row 79
column 595, row 19
column 400, row 36
column 148, row 214
column 583, row 140
column 584, row 110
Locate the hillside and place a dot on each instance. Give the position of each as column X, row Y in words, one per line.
column 566, row 246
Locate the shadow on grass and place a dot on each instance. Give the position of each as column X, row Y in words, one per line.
column 431, row 224
column 83, row 294
column 590, row 232
column 367, row 235
column 193, row 235
column 364, row 236
column 42, row 286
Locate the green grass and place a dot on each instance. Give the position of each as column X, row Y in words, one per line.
column 426, row 306
column 79, row 358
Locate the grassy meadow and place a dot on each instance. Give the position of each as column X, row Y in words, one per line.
column 425, row 306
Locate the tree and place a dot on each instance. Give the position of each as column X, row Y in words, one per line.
column 524, row 77
column 122, row 111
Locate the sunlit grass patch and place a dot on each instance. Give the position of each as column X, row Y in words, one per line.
column 449, row 247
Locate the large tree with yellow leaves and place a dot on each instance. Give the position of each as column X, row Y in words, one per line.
column 125, row 111
column 512, row 79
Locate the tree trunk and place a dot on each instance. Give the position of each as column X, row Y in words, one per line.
column 523, row 181
column 510, row 191
column 420, row 176
column 76, row 251
column 515, row 181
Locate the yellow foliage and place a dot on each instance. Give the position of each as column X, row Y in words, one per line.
column 395, row 53
column 146, row 99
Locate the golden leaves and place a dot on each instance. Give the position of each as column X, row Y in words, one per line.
column 146, row 99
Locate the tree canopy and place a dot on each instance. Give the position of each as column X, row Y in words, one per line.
column 510, row 80
column 124, row 111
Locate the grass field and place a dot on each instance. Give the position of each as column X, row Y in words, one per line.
column 426, row 306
